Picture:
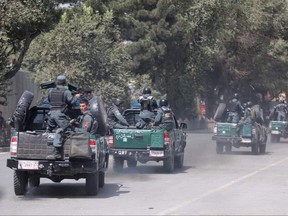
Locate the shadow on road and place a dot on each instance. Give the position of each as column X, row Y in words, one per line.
column 71, row 190
column 147, row 169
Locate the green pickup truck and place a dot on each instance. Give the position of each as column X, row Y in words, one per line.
column 84, row 156
column 147, row 144
column 250, row 132
column 278, row 129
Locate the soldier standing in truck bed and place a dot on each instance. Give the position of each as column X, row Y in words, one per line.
column 59, row 98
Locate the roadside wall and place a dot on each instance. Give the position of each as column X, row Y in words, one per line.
column 21, row 82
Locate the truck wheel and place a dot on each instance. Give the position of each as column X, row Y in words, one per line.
column 219, row 148
column 168, row 163
column 101, row 179
column 275, row 138
column 132, row 163
column 34, row 181
column 255, row 148
column 20, row 182
column 228, row 148
column 98, row 111
column 21, row 110
column 92, row 184
column 262, row 148
column 118, row 164
column 179, row 159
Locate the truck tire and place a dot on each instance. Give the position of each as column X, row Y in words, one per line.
column 179, row 160
column 101, row 179
column 228, row 148
column 92, row 184
column 118, row 164
column 168, row 163
column 21, row 110
column 219, row 148
column 275, row 138
column 98, row 111
column 220, row 112
column 255, row 148
column 34, row 181
column 131, row 162
column 262, row 148
column 20, row 182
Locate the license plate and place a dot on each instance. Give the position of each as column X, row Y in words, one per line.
column 246, row 140
column 28, row 165
column 275, row 132
column 156, row 153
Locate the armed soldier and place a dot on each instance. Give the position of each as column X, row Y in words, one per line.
column 147, row 101
column 280, row 111
column 234, row 109
column 85, row 122
column 164, row 116
column 60, row 99
column 115, row 118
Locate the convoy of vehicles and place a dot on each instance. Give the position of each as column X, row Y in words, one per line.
column 88, row 159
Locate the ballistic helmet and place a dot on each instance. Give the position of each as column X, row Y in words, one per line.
column 61, row 80
column 163, row 102
column 118, row 101
column 146, row 90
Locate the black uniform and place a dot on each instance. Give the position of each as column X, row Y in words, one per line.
column 147, row 102
column 234, row 110
column 59, row 98
column 280, row 111
column 86, row 123
column 115, row 118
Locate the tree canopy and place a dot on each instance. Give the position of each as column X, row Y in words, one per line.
column 186, row 48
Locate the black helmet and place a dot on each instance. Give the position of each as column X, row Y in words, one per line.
column 61, row 80
column 249, row 104
column 146, row 90
column 163, row 102
column 118, row 101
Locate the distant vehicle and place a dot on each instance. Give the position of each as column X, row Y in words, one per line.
column 148, row 144
column 250, row 134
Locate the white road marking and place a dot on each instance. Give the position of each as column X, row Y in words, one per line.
column 172, row 210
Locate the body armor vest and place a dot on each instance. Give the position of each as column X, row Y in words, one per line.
column 167, row 114
column 110, row 115
column 233, row 105
column 57, row 97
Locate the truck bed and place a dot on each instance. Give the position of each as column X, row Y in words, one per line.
column 35, row 146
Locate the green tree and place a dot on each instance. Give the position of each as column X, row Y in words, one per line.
column 21, row 21
column 85, row 47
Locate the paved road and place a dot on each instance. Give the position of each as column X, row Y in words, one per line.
column 236, row 184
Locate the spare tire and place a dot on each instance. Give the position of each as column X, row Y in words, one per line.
column 219, row 112
column 258, row 113
column 98, row 111
column 22, row 108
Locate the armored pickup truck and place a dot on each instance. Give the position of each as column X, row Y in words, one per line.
column 148, row 144
column 278, row 129
column 250, row 133
column 84, row 156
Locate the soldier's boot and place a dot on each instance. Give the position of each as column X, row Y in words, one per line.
column 57, row 155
